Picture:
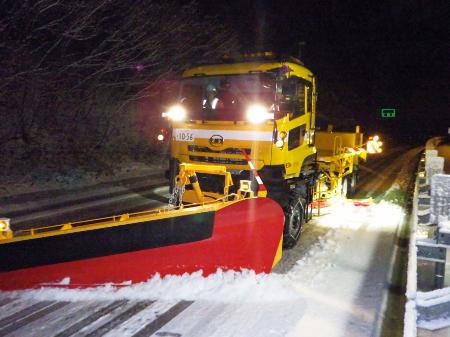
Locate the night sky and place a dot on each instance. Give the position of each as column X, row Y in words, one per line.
column 367, row 55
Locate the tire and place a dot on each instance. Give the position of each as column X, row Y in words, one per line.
column 345, row 188
column 294, row 218
column 351, row 184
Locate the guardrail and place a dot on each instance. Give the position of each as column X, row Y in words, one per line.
column 428, row 300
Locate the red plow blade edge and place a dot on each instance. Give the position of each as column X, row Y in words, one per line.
column 244, row 235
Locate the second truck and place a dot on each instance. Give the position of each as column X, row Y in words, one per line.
column 257, row 116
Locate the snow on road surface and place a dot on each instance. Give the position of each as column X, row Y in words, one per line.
column 320, row 296
column 337, row 289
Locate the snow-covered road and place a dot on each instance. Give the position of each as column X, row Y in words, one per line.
column 335, row 283
column 51, row 207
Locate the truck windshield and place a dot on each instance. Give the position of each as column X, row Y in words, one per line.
column 226, row 97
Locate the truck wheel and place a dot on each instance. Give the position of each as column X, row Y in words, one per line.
column 345, row 188
column 351, row 184
column 294, row 218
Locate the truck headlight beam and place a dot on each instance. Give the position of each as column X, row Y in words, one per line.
column 258, row 113
column 176, row 113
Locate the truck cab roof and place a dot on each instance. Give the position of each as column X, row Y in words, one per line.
column 248, row 68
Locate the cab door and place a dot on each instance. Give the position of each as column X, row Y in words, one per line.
column 298, row 98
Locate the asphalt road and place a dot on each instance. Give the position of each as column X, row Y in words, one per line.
column 52, row 207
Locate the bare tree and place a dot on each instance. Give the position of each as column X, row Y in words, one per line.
column 69, row 69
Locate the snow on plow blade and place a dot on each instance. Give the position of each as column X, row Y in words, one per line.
column 228, row 235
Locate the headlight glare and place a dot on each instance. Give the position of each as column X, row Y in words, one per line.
column 176, row 113
column 258, row 113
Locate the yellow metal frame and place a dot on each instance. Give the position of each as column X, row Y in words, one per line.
column 188, row 176
column 338, row 153
column 187, row 171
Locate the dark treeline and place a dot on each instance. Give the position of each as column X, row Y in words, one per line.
column 72, row 73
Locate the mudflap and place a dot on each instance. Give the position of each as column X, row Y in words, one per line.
column 246, row 235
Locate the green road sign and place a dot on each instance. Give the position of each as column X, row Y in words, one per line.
column 388, row 113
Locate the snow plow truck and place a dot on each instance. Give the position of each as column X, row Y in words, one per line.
column 246, row 166
column 256, row 116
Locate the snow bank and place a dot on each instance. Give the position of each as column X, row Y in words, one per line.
column 229, row 286
column 410, row 319
column 316, row 262
column 410, row 329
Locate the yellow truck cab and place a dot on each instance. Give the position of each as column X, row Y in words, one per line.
column 259, row 104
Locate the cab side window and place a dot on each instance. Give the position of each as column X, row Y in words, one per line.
column 296, row 96
column 288, row 91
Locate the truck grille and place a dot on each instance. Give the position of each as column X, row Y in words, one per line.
column 218, row 160
column 230, row 150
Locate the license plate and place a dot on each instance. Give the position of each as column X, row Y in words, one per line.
column 184, row 135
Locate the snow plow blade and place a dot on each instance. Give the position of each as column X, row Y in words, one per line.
column 131, row 248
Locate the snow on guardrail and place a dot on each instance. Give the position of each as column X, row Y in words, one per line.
column 410, row 328
column 429, row 310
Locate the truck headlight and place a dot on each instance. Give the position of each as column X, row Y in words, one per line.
column 176, row 113
column 258, row 113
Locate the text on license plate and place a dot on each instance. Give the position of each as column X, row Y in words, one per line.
column 184, row 135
